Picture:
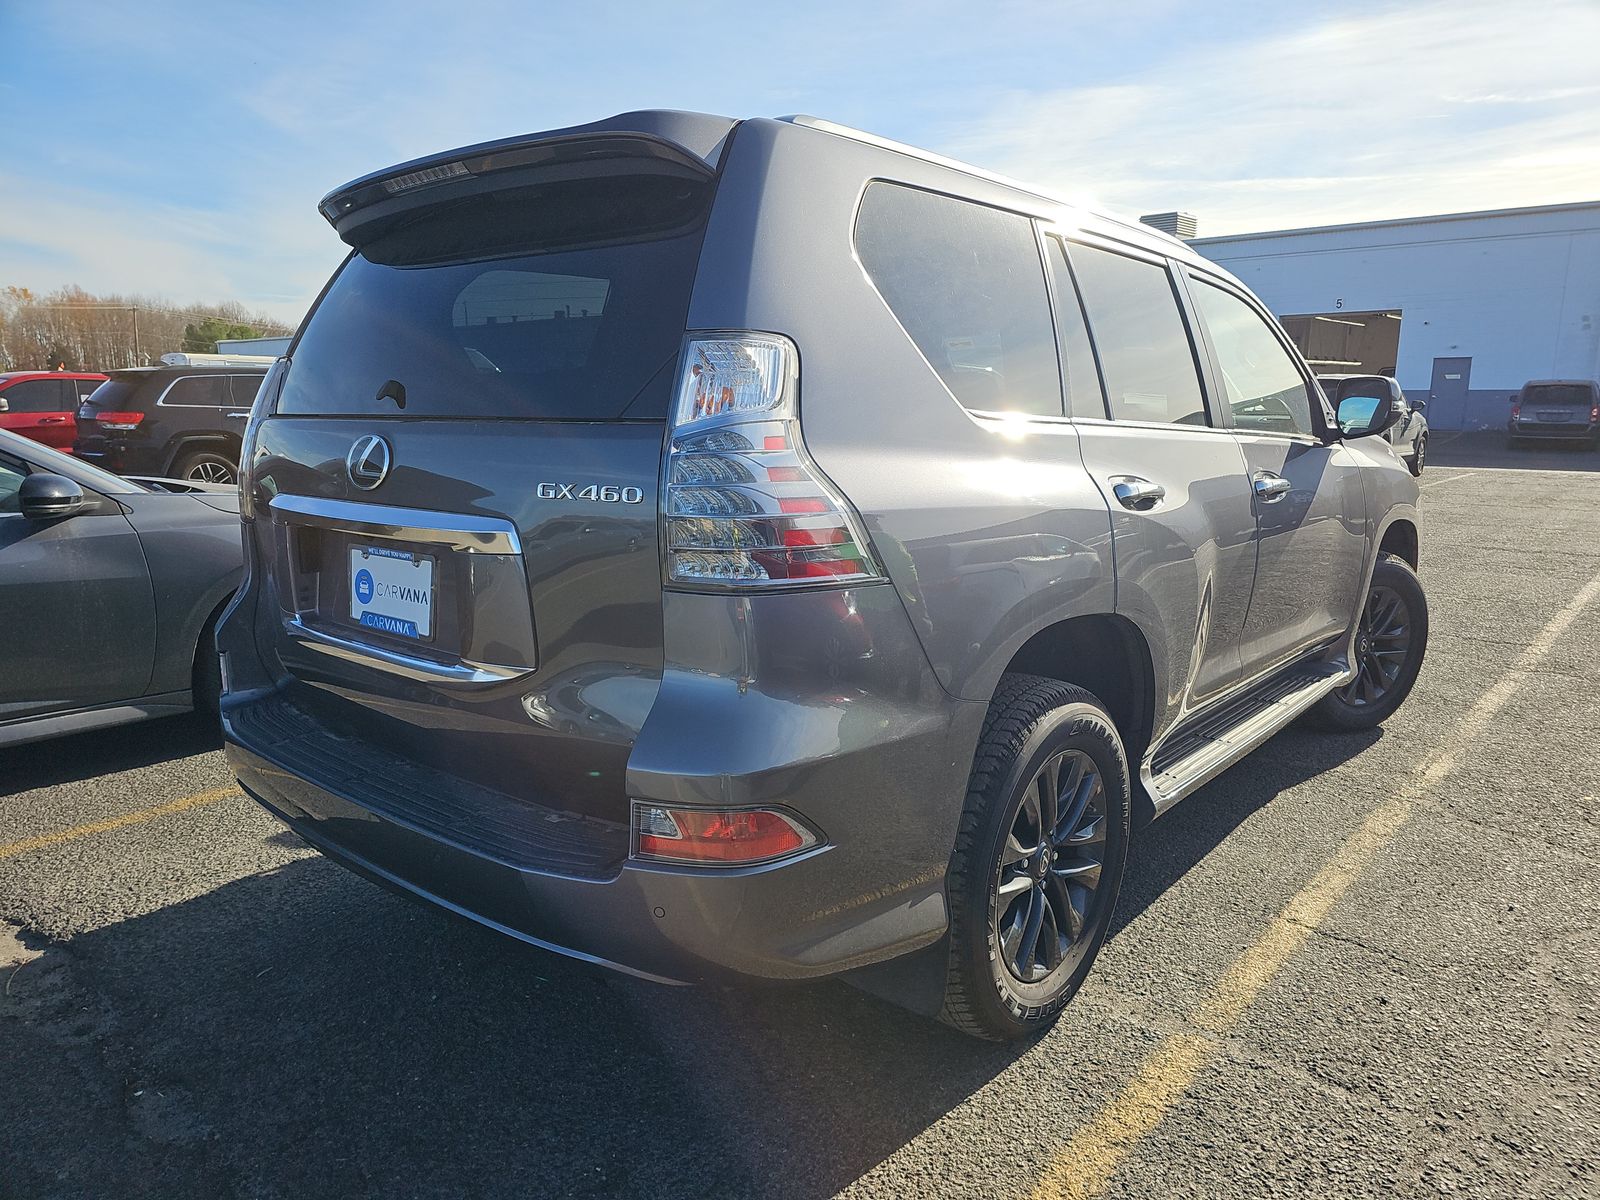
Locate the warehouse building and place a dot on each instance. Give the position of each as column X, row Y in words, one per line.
column 1462, row 308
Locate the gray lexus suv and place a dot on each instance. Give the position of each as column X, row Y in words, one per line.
column 755, row 550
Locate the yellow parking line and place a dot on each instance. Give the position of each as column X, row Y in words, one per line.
column 198, row 800
column 1085, row 1165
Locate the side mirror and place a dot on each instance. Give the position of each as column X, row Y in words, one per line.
column 44, row 497
column 1420, row 405
column 1363, row 416
column 5, row 405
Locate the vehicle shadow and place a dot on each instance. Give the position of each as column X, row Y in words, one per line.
column 300, row 1033
column 1490, row 449
column 106, row 751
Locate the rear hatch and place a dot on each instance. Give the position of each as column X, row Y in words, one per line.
column 455, row 492
column 1557, row 403
column 119, row 394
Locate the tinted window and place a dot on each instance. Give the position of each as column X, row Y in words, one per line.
column 204, row 390
column 1139, row 333
column 39, row 396
column 1544, row 393
column 966, row 283
column 1264, row 387
column 86, row 387
column 11, row 476
column 245, row 388
column 1085, row 397
column 553, row 303
column 114, row 395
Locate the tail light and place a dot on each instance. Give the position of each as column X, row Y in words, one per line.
column 744, row 505
column 118, row 422
column 1516, row 411
column 266, row 397
column 1594, row 413
column 717, row 837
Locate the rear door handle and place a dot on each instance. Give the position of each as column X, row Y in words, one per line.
column 238, row 416
column 1270, row 487
column 52, row 420
column 1138, row 494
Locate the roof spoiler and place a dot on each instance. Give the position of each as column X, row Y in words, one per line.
column 654, row 141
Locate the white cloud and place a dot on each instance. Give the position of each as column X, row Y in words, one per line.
column 1402, row 112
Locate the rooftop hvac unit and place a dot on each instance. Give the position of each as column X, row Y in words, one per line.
column 1178, row 224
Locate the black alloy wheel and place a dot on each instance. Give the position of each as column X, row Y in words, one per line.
column 1038, row 860
column 1390, row 642
column 1049, row 877
column 1382, row 644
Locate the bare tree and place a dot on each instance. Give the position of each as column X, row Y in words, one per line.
column 78, row 330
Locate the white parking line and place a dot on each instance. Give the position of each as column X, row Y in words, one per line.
column 1446, row 479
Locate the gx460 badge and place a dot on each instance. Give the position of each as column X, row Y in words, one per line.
column 602, row 493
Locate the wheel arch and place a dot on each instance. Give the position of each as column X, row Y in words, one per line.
column 185, row 442
column 1105, row 654
column 1400, row 539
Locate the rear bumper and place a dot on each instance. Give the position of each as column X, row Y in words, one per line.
column 120, row 460
column 1555, row 433
column 879, row 772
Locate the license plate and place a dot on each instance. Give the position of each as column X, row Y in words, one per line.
column 391, row 591
column 1558, row 414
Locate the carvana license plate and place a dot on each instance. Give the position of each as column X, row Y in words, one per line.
column 391, row 591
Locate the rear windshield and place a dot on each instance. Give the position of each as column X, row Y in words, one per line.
column 1558, row 393
column 114, row 394
column 554, row 302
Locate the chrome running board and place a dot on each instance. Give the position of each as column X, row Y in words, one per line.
column 1213, row 750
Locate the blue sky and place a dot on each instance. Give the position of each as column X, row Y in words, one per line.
column 179, row 149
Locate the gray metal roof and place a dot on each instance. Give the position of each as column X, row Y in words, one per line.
column 1395, row 222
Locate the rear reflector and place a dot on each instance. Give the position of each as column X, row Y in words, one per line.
column 719, row 837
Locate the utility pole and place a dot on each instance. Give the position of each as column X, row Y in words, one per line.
column 127, row 308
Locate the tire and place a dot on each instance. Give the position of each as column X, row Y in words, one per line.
column 1419, row 459
column 206, row 682
column 1388, row 663
column 206, row 466
column 995, row 988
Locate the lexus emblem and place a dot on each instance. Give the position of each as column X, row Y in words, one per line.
column 368, row 462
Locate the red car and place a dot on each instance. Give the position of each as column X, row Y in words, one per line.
column 43, row 405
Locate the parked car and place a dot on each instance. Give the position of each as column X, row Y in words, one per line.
column 1409, row 433
column 752, row 549
column 42, row 405
column 1556, row 410
column 109, row 594
column 184, row 422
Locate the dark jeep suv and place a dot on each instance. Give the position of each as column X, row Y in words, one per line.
column 753, row 549
column 180, row 422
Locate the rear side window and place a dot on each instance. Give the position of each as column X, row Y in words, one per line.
column 1265, row 389
column 39, row 396
column 537, row 303
column 1139, row 333
column 967, row 283
column 197, row 391
column 244, row 388
column 86, row 387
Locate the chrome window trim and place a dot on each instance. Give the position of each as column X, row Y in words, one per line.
column 160, row 400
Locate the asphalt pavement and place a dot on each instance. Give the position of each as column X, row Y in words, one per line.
column 1357, row 965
